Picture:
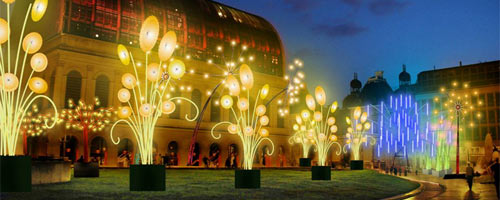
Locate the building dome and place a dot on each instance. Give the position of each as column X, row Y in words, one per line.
column 352, row 100
column 404, row 76
column 376, row 89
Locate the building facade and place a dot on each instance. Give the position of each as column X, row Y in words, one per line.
column 80, row 40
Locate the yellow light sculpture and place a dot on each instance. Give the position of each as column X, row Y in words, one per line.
column 15, row 98
column 149, row 99
column 319, row 126
column 357, row 127
column 251, row 120
column 302, row 136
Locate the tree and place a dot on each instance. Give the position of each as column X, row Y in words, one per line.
column 86, row 118
column 34, row 124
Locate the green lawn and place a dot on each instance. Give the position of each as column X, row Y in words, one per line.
column 219, row 184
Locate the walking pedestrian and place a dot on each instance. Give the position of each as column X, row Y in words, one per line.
column 469, row 174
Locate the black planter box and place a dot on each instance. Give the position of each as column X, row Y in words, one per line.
column 454, row 176
column 147, row 178
column 247, row 178
column 90, row 169
column 356, row 164
column 305, row 162
column 321, row 173
column 15, row 174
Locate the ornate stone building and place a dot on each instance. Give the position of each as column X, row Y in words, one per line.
column 80, row 40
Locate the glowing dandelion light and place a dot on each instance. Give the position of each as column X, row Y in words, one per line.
column 15, row 98
column 144, row 103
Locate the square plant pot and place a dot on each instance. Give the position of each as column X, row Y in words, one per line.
column 305, row 162
column 356, row 164
column 321, row 173
column 90, row 169
column 147, row 178
column 15, row 174
column 247, row 178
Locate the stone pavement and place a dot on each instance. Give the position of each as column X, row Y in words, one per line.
column 439, row 188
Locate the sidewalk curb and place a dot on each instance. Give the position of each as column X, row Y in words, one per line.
column 408, row 194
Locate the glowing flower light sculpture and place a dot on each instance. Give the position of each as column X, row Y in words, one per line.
column 146, row 100
column 321, row 131
column 87, row 118
column 358, row 127
column 18, row 90
column 458, row 103
column 250, row 124
column 302, row 136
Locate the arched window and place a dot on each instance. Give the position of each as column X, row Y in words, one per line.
column 73, row 87
column 102, row 90
column 215, row 109
column 196, row 98
column 280, row 121
column 177, row 112
column 68, row 147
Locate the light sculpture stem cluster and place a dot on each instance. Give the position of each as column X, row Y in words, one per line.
column 15, row 98
column 358, row 127
column 250, row 119
column 149, row 94
column 86, row 118
column 301, row 136
column 320, row 126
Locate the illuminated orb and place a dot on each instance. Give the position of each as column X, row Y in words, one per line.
column 149, row 33
column 333, row 138
column 233, row 85
column 168, row 107
column 359, row 127
column 264, row 120
column 347, row 135
column 39, row 62
column 305, row 114
column 317, row 116
column 298, row 119
column 226, row 101
column 367, row 125
column 37, row 85
column 334, row 107
column 261, row 110
column 248, row 131
column 295, row 127
column 9, row 82
column 322, row 136
column 349, row 130
column 146, row 110
column 331, row 121
column 264, row 132
column 32, row 42
column 176, row 69
column 129, row 81
column 364, row 116
column 124, row 112
column 4, row 31
column 243, row 104
column 246, row 76
column 8, row 1
column 264, row 91
column 167, row 46
column 123, row 54
column 38, row 10
column 333, row 128
column 320, row 95
column 233, row 128
column 123, row 95
column 357, row 113
column 310, row 102
column 154, row 72
column 348, row 120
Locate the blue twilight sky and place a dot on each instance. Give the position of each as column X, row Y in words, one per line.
column 336, row 38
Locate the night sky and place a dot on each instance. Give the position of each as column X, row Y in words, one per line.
column 336, row 38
